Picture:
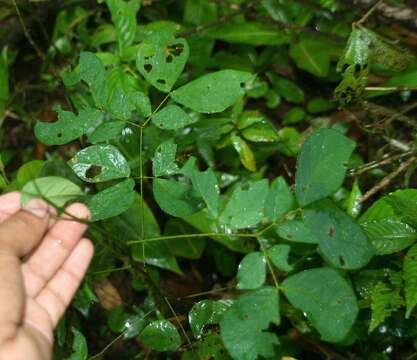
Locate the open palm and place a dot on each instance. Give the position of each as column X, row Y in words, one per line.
column 42, row 262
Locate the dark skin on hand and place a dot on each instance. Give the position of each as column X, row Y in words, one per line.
column 42, row 262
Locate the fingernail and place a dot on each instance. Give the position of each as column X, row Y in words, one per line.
column 37, row 207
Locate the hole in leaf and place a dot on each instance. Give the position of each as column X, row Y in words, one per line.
column 330, row 231
column 93, row 171
column 242, row 85
column 161, row 81
column 148, row 67
column 357, row 70
column 342, row 261
column 345, row 67
column 169, row 58
column 59, row 135
column 175, row 49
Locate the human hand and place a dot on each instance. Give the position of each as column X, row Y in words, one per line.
column 42, row 263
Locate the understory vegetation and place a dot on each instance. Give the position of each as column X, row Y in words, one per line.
column 250, row 167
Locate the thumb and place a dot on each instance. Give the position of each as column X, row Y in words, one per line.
column 22, row 232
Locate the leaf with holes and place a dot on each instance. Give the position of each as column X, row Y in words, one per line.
column 161, row 59
column 252, row 272
column 68, row 127
column 175, row 198
column 327, row 300
column 245, row 207
column 99, row 163
column 54, row 189
column 161, row 335
column 163, row 162
column 321, row 165
column 112, row 201
column 172, row 117
column 341, row 240
column 243, row 326
column 213, row 92
column 206, row 312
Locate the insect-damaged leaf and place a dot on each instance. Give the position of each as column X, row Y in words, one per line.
column 99, row 163
column 68, row 127
column 161, row 59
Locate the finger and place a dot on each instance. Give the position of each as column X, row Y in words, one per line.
column 22, row 232
column 61, row 239
column 56, row 296
column 18, row 235
column 9, row 205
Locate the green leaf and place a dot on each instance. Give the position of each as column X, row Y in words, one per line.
column 186, row 247
column 341, row 240
column 410, row 280
column 138, row 223
column 4, row 82
column 319, row 105
column 383, row 302
column 247, row 158
column 245, row 207
column 243, row 325
column 405, row 208
column 92, row 71
column 310, row 55
column 213, row 92
column 279, row 257
column 294, row 116
column 106, row 131
column 288, row 89
column 205, row 312
column 175, row 198
column 28, row 172
column 297, row 231
column 205, row 185
column 197, row 12
column 79, row 346
column 324, row 153
column 389, row 236
column 280, row 199
column 99, row 163
column 252, row 272
column 68, row 127
column 161, row 59
column 352, row 204
column 160, row 335
column 54, row 189
column 112, row 201
column 123, row 14
column 261, row 132
column 251, row 33
column 172, row 117
column 163, row 162
column 327, row 300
